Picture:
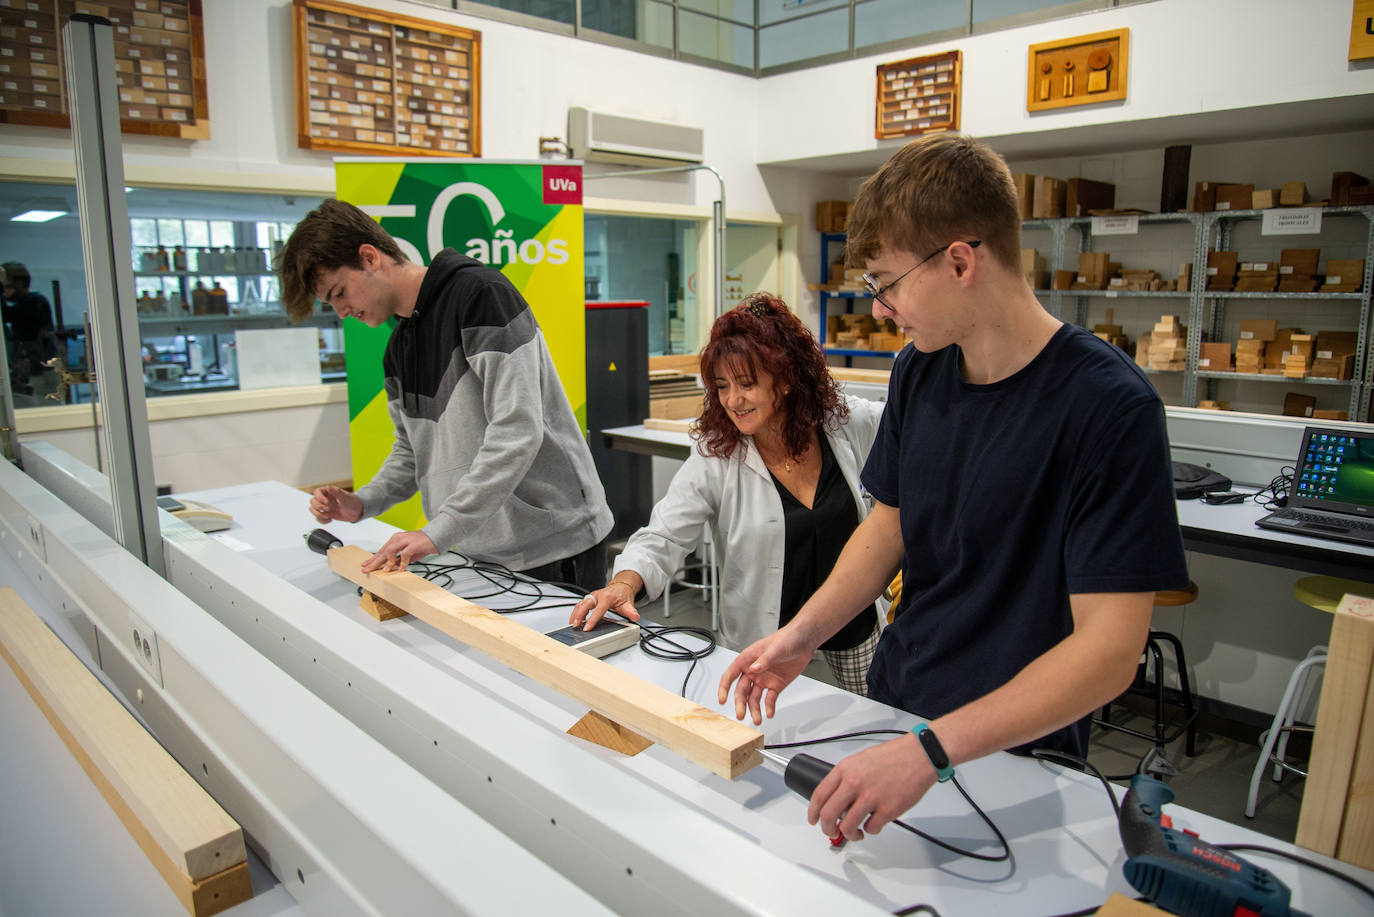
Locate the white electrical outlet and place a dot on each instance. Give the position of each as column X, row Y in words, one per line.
column 143, row 640
column 40, row 550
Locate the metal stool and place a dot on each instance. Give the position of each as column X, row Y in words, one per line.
column 710, row 579
column 1323, row 593
column 1155, row 762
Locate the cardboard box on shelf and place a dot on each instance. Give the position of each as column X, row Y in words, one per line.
column 1049, row 198
column 1235, row 197
column 1297, row 405
column 1214, row 356
column 1025, row 193
column 1083, row 194
column 1293, row 194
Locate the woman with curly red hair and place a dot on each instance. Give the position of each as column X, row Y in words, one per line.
column 776, row 476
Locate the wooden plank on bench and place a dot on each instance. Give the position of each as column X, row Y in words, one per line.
column 192, row 842
column 705, row 737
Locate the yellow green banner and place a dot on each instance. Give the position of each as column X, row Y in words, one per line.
column 523, row 218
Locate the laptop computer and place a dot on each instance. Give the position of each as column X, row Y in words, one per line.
column 1333, row 488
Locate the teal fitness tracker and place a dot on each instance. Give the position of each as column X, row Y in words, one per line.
column 935, row 751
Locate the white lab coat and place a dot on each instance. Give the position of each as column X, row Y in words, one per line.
column 737, row 498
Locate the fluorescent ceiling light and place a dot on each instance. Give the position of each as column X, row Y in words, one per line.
column 38, row 216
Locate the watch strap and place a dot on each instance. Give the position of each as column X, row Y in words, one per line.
column 934, row 751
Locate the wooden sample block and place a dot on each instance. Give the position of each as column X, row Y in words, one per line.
column 1343, row 183
column 1298, row 405
column 715, row 742
column 1235, row 197
column 380, row 609
column 1264, row 200
column 1082, row 195
column 1077, row 71
column 194, row 845
column 1025, row 193
column 919, row 95
column 1049, row 198
column 1293, row 194
column 1214, row 356
column 1337, row 815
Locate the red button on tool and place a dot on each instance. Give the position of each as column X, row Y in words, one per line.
column 1166, row 821
column 1192, row 834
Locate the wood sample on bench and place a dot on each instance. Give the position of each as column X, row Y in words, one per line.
column 703, row 736
column 192, row 842
column 1337, row 814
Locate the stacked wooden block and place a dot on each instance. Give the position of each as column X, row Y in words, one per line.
column 1166, row 347
column 1094, row 271
column 1349, row 188
column 1255, row 335
column 1221, row 271
column 863, row 332
column 1209, row 405
column 1257, row 277
column 1136, row 279
column 832, row 216
column 1297, row 359
column 1298, row 270
column 1344, row 275
column 1111, row 333
column 1184, row 282
column 1276, row 353
column 1334, row 355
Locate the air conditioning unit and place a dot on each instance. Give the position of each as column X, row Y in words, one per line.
column 599, row 137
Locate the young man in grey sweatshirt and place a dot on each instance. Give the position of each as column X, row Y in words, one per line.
column 484, row 430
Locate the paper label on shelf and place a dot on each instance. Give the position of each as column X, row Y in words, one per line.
column 1211, row 272
column 1118, row 281
column 1224, row 205
column 1292, row 221
column 1203, row 363
column 1333, row 279
column 1127, row 224
column 1286, row 269
column 1324, row 354
column 1247, row 335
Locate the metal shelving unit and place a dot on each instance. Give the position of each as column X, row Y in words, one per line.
column 1209, row 231
column 847, row 296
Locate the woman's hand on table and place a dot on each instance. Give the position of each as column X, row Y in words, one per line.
column 617, row 596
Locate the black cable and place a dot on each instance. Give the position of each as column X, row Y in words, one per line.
column 1067, row 759
column 917, row 909
column 656, row 641
column 1001, row 838
column 1275, row 495
column 1320, row 867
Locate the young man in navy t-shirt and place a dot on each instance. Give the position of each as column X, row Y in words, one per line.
column 1023, row 487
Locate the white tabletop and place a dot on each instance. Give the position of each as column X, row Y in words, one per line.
column 1067, row 852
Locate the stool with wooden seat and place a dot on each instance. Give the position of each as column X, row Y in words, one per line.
column 1323, row 593
column 1155, row 761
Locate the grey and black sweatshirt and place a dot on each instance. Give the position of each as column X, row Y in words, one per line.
column 483, row 428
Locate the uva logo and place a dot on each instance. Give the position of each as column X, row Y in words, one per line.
column 562, row 184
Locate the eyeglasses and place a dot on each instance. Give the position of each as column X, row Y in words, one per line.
column 877, row 292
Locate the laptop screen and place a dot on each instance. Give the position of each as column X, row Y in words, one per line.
column 1335, row 472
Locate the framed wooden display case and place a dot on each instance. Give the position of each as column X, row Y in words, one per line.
column 1082, row 70
column 918, row 96
column 159, row 50
column 377, row 82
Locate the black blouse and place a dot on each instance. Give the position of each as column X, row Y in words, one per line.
column 814, row 538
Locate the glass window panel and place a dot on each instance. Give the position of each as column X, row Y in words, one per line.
column 656, row 28
column 738, row 10
column 886, row 20
column 715, row 39
column 985, row 10
column 557, row 10
column 197, row 232
column 782, row 10
column 804, row 38
column 144, row 232
column 169, row 233
column 221, row 233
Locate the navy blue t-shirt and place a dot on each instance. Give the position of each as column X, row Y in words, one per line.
column 1013, row 496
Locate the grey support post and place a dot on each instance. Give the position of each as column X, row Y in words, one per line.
column 92, row 100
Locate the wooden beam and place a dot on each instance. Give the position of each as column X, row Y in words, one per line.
column 1337, row 815
column 705, row 737
column 194, row 845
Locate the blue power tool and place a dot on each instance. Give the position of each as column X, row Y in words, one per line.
column 1179, row 872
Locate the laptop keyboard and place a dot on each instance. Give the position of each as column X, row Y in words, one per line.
column 1362, row 525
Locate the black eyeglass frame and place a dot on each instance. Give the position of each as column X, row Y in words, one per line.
column 877, row 292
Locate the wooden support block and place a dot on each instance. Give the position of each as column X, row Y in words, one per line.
column 192, row 842
column 380, row 609
column 1118, row 905
column 1337, row 815
column 673, row 426
column 598, row 730
column 717, row 743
